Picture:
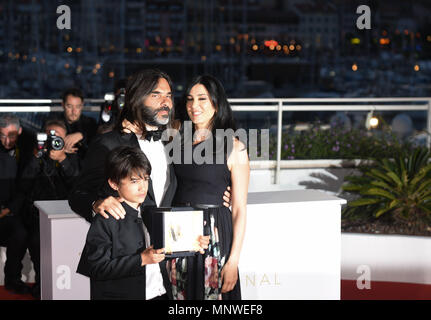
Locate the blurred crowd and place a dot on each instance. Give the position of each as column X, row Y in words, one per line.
column 40, row 166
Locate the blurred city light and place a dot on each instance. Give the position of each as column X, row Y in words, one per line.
column 384, row 41
column 270, row 43
column 355, row 41
column 374, row 122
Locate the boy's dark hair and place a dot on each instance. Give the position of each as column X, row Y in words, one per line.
column 72, row 92
column 122, row 162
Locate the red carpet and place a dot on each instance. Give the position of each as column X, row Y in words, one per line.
column 379, row 291
column 6, row 295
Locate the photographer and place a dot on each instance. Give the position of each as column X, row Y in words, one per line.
column 111, row 108
column 48, row 176
column 15, row 151
column 80, row 129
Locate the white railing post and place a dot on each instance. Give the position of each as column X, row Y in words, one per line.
column 279, row 137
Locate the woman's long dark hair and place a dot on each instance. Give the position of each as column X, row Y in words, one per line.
column 223, row 117
column 140, row 85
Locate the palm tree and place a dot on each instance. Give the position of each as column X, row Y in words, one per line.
column 398, row 188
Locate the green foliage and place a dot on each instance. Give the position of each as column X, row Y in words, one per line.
column 396, row 189
column 337, row 143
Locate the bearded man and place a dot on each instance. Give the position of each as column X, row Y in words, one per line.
column 149, row 107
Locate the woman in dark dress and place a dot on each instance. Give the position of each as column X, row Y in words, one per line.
column 201, row 184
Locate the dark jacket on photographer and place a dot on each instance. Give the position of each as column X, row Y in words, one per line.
column 46, row 179
column 87, row 126
column 21, row 154
column 8, row 169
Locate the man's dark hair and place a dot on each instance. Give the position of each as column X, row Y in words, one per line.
column 138, row 87
column 72, row 92
column 124, row 161
column 55, row 122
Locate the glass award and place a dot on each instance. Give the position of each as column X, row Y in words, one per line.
column 177, row 230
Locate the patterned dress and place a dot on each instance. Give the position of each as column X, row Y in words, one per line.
column 198, row 277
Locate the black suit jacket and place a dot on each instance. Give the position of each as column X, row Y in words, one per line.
column 87, row 126
column 112, row 258
column 92, row 184
column 23, row 154
column 8, row 168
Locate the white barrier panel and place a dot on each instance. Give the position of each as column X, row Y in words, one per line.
column 62, row 238
column 392, row 258
column 292, row 246
column 291, row 249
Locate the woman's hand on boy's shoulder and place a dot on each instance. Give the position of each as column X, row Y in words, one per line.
column 111, row 205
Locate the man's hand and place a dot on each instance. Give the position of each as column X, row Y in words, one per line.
column 71, row 140
column 150, row 256
column 111, row 205
column 57, row 155
column 227, row 201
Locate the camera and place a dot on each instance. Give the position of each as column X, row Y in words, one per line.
column 112, row 106
column 46, row 143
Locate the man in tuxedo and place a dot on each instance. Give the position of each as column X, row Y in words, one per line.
column 149, row 107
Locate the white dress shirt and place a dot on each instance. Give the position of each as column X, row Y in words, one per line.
column 156, row 154
column 153, row 275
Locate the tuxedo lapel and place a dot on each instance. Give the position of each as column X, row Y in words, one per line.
column 130, row 139
column 150, row 192
column 170, row 192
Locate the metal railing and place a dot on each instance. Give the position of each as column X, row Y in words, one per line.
column 278, row 105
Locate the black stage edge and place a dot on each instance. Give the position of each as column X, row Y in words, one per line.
column 251, row 309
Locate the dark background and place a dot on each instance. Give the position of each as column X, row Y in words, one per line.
column 271, row 48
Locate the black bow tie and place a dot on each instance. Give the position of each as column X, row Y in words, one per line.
column 156, row 135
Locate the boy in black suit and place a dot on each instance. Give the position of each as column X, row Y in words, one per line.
column 116, row 252
column 117, row 255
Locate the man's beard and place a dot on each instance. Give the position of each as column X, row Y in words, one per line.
column 150, row 116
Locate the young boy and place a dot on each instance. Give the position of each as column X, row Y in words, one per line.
column 117, row 255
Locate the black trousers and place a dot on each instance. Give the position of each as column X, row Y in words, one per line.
column 162, row 297
column 33, row 242
column 13, row 236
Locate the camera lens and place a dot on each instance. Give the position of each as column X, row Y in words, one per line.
column 57, row 143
